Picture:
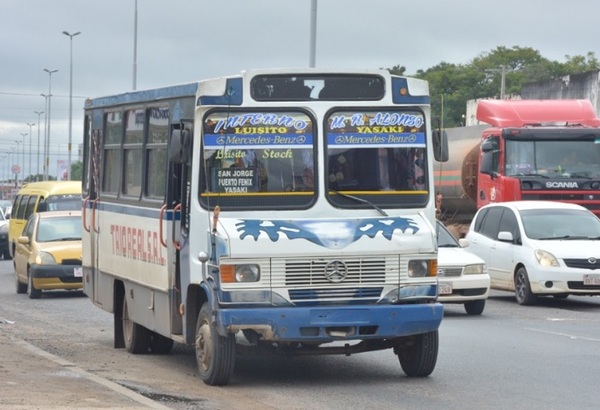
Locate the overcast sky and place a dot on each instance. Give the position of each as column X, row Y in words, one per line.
column 180, row 41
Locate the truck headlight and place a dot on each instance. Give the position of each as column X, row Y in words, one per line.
column 421, row 268
column 240, row 273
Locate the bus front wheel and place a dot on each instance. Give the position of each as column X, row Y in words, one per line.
column 215, row 354
column 419, row 357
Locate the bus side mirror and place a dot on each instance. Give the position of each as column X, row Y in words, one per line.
column 440, row 146
column 180, row 146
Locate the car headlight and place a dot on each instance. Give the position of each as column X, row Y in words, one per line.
column 240, row 273
column 421, row 268
column 45, row 258
column 476, row 269
column 4, row 228
column 546, row 258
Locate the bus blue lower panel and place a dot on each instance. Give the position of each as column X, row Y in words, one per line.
column 325, row 324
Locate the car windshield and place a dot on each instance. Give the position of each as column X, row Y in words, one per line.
column 549, row 224
column 59, row 229
column 445, row 238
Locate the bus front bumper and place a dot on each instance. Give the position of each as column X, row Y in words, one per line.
column 326, row 324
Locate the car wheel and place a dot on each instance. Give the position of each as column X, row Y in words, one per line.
column 137, row 337
column 6, row 255
column 523, row 292
column 215, row 354
column 419, row 358
column 31, row 290
column 21, row 287
column 475, row 307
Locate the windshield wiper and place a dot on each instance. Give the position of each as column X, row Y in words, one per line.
column 361, row 200
column 568, row 237
column 449, row 245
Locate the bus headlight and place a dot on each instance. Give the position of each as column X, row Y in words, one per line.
column 240, row 273
column 421, row 268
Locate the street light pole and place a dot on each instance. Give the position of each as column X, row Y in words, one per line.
column 135, row 28
column 23, row 134
column 31, row 124
column 47, row 142
column 66, row 33
column 37, row 172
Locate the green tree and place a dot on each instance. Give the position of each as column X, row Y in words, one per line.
column 76, row 170
column 452, row 85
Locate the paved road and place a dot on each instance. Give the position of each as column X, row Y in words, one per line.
column 58, row 353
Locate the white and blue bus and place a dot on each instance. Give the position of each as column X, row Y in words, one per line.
column 284, row 209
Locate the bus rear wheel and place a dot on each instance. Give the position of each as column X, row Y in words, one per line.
column 419, row 357
column 137, row 337
column 215, row 354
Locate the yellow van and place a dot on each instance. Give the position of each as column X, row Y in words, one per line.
column 41, row 196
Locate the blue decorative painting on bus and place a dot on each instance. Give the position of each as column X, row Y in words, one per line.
column 333, row 234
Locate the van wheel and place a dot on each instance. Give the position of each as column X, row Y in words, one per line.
column 137, row 337
column 31, row 290
column 215, row 354
column 523, row 292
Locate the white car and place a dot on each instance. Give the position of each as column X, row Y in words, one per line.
column 538, row 248
column 462, row 276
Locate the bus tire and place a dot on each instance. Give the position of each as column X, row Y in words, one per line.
column 137, row 337
column 160, row 344
column 420, row 357
column 215, row 354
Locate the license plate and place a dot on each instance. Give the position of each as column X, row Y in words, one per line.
column 444, row 289
column 78, row 272
column 591, row 280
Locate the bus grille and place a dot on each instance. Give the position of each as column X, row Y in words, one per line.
column 362, row 294
column 361, row 271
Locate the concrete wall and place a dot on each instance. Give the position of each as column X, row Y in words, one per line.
column 584, row 86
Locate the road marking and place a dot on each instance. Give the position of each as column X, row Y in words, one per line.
column 589, row 339
column 92, row 377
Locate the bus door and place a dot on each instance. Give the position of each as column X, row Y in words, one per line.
column 176, row 213
column 91, row 181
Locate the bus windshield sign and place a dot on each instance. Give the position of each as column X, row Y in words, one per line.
column 258, row 152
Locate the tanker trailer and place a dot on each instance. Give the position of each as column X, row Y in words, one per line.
column 456, row 179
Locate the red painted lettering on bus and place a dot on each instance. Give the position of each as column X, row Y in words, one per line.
column 129, row 242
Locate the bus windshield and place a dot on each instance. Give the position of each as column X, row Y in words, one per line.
column 258, row 159
column 376, row 155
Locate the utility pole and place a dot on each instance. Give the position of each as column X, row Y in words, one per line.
column 503, row 70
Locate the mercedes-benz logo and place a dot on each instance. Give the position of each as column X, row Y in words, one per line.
column 336, row 271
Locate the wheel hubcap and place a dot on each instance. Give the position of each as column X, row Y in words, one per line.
column 203, row 345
